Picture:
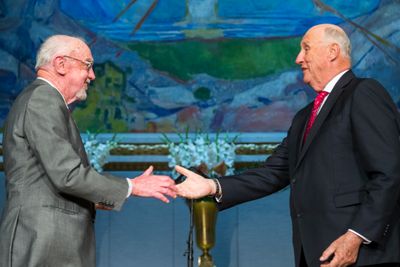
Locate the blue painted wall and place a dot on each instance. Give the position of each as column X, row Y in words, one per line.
column 226, row 59
column 147, row 232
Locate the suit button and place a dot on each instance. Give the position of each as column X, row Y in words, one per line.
column 299, row 215
column 293, row 181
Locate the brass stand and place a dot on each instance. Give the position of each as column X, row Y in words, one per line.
column 205, row 218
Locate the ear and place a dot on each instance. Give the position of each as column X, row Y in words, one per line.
column 334, row 51
column 59, row 65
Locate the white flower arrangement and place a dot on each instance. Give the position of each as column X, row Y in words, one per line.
column 98, row 151
column 213, row 156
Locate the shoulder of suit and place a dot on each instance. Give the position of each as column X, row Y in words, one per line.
column 42, row 94
column 39, row 86
column 369, row 84
column 42, row 87
column 370, row 88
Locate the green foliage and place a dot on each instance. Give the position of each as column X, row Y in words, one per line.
column 226, row 59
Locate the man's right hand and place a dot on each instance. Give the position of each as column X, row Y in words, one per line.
column 150, row 185
column 195, row 186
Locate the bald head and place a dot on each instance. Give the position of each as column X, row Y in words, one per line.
column 57, row 45
column 331, row 33
column 325, row 52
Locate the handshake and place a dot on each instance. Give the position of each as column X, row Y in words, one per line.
column 161, row 186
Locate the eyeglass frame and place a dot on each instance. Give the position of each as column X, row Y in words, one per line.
column 87, row 63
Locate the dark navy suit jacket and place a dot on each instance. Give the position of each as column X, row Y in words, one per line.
column 345, row 176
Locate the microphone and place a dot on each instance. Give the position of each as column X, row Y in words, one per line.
column 181, row 178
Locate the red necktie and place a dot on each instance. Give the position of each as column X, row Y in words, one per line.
column 319, row 99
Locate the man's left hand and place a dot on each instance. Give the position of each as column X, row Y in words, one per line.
column 344, row 250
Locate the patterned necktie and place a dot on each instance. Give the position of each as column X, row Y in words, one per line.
column 314, row 112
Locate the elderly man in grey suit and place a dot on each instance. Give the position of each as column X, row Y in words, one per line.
column 52, row 191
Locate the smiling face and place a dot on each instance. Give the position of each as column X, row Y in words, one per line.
column 79, row 72
column 314, row 59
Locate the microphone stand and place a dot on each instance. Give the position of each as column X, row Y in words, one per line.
column 189, row 252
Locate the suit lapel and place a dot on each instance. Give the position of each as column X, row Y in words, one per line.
column 324, row 112
column 297, row 131
column 77, row 140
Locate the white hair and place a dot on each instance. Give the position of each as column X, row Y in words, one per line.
column 337, row 35
column 55, row 45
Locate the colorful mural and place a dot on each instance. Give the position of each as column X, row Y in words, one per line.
column 210, row 65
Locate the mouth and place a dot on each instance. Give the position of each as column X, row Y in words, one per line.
column 87, row 83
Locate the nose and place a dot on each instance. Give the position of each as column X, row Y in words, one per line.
column 300, row 57
column 91, row 75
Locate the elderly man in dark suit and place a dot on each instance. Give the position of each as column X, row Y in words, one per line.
column 52, row 191
column 341, row 158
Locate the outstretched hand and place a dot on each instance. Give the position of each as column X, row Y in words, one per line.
column 150, row 185
column 195, row 186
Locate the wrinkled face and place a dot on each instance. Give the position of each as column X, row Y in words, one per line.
column 313, row 59
column 79, row 65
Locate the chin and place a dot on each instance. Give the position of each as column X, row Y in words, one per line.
column 306, row 81
column 81, row 96
column 305, row 78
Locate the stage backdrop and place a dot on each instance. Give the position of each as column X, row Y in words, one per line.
column 211, row 65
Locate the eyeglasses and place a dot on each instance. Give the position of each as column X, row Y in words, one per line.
column 88, row 64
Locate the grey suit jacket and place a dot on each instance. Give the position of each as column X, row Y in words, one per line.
column 51, row 188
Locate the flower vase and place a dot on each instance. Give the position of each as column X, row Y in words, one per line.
column 205, row 217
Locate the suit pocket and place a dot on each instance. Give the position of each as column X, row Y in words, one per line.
column 349, row 198
column 64, row 207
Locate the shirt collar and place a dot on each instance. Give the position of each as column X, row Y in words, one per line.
column 52, row 85
column 329, row 87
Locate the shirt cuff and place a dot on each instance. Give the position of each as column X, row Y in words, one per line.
column 366, row 241
column 218, row 193
column 130, row 187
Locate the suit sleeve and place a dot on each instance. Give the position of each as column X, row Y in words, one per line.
column 376, row 137
column 259, row 182
column 46, row 123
